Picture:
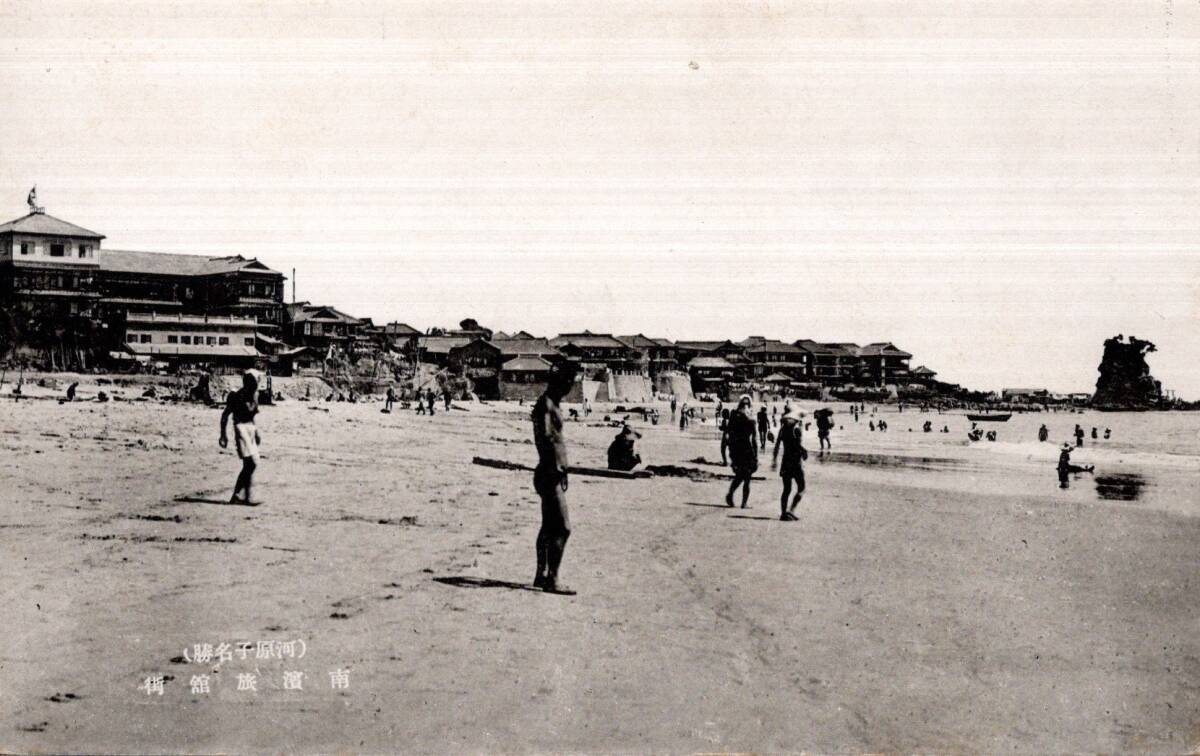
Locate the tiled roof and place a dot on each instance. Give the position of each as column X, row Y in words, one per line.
column 922, row 370
column 882, row 348
column 771, row 346
column 527, row 363
column 524, row 346
column 303, row 311
column 442, row 344
column 639, row 341
column 400, row 329
column 47, row 225
column 702, row 346
column 588, row 340
column 169, row 264
column 710, row 362
column 222, row 321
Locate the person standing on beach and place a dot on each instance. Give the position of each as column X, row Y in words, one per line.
column 792, row 470
column 764, row 425
column 743, row 450
column 390, row 399
column 672, row 408
column 1078, row 436
column 243, row 406
column 1043, row 433
column 430, row 400
column 550, row 478
column 683, row 417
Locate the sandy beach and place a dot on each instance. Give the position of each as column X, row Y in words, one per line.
column 934, row 596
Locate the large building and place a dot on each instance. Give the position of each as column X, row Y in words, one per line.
column 52, row 269
column 49, row 265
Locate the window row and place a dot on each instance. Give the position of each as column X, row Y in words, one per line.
column 189, row 339
column 60, row 249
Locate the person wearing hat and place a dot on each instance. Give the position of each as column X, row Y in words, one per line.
column 791, row 439
column 622, row 452
column 739, row 439
column 243, row 406
column 550, row 477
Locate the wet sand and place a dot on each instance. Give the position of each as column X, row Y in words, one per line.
column 933, row 596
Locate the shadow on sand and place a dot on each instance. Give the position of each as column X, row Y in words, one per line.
column 468, row 581
column 705, row 504
column 751, row 517
column 202, row 499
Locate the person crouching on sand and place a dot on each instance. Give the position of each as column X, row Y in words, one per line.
column 791, row 433
column 550, row 478
column 243, row 406
column 742, row 445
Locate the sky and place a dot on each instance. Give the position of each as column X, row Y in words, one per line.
column 995, row 187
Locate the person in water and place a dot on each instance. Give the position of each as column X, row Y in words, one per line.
column 743, row 450
column 242, row 405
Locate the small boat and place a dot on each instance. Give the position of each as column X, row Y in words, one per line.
column 998, row 418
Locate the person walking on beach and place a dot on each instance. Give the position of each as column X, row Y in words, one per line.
column 672, row 408
column 243, row 406
column 390, row 399
column 1078, row 436
column 430, row 400
column 824, row 424
column 743, row 450
column 420, row 403
column 764, row 425
column 792, row 470
column 447, row 397
column 550, row 478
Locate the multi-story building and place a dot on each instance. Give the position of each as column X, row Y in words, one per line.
column 49, row 266
column 883, row 363
column 401, row 336
column 214, row 341
column 192, row 284
column 326, row 329
column 686, row 351
column 765, row 357
column 833, row 364
column 599, row 354
column 658, row 355
column 483, row 361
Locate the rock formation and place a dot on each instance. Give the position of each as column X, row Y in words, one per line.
column 1125, row 381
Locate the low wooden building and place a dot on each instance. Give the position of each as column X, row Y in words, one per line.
column 218, row 342
column 524, row 377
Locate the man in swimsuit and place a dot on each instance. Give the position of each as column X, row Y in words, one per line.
column 739, row 439
column 550, row 478
column 243, row 406
column 764, row 425
column 792, row 469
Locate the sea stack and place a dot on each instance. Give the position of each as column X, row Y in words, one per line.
column 1125, row 382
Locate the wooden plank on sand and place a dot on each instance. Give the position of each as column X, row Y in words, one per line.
column 600, row 472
